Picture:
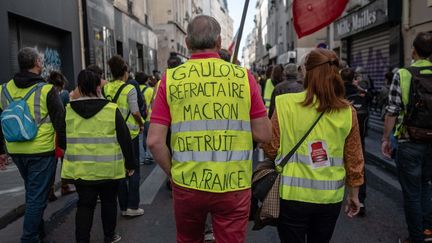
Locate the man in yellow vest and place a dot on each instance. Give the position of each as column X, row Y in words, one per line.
column 126, row 97
column 215, row 112
column 409, row 113
column 35, row 158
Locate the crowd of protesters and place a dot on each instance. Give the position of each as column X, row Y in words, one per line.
column 309, row 119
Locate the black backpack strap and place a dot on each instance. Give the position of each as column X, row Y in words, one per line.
column 145, row 88
column 117, row 95
column 285, row 160
column 415, row 72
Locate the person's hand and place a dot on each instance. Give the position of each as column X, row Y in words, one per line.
column 141, row 129
column 130, row 172
column 386, row 148
column 352, row 207
column 3, row 159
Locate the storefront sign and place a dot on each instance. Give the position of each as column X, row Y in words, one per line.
column 367, row 17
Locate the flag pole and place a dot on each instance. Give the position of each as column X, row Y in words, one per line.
column 237, row 45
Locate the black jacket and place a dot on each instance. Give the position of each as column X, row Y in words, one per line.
column 89, row 108
column 55, row 107
column 291, row 85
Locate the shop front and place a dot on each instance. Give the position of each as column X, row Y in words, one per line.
column 371, row 38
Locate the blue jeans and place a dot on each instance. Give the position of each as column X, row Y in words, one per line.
column 129, row 195
column 414, row 163
column 37, row 173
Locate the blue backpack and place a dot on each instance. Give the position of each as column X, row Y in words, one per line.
column 17, row 123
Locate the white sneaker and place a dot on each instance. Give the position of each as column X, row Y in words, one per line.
column 123, row 213
column 133, row 212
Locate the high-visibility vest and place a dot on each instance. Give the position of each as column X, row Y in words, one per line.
column 211, row 138
column 315, row 173
column 110, row 90
column 37, row 103
column 93, row 152
column 268, row 91
column 147, row 92
column 405, row 85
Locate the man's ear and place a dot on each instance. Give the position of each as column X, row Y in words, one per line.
column 219, row 43
column 188, row 43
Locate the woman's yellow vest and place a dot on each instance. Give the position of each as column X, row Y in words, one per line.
column 268, row 91
column 37, row 103
column 211, row 139
column 110, row 90
column 148, row 93
column 93, row 152
column 315, row 173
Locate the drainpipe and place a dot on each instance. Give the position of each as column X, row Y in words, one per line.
column 81, row 30
column 406, row 14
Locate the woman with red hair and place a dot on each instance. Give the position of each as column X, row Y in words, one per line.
column 313, row 181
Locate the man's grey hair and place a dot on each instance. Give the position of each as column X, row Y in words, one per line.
column 27, row 57
column 203, row 32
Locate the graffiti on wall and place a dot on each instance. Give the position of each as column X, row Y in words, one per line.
column 51, row 60
column 374, row 62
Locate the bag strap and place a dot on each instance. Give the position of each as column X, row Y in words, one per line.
column 143, row 90
column 294, row 149
column 36, row 87
column 117, row 95
column 6, row 94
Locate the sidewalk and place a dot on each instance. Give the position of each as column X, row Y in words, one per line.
column 12, row 194
column 373, row 152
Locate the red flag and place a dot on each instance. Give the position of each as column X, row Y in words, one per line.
column 233, row 43
column 313, row 15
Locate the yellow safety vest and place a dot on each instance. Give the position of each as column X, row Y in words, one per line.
column 110, row 90
column 315, row 173
column 148, row 97
column 211, row 138
column 268, row 91
column 93, row 152
column 45, row 139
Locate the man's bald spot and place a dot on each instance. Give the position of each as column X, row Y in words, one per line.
column 203, row 32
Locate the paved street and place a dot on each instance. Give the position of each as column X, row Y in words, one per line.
column 384, row 221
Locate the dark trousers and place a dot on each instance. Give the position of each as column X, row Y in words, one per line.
column 87, row 199
column 301, row 222
column 129, row 195
column 37, row 173
column 363, row 120
column 414, row 164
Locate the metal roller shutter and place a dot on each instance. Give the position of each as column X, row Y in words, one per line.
column 371, row 51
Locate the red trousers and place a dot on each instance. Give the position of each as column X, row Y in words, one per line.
column 229, row 211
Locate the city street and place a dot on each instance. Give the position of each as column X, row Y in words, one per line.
column 384, row 221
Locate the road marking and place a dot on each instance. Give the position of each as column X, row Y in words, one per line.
column 151, row 185
column 12, row 190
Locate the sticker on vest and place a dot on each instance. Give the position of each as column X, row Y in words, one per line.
column 318, row 155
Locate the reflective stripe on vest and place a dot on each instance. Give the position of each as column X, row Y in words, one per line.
column 110, row 90
column 312, row 184
column 213, row 156
column 93, row 152
column 211, row 139
column 302, row 180
column 44, row 142
column 305, row 160
column 213, row 125
column 93, row 158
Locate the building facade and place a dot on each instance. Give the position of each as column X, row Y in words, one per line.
column 120, row 27
column 416, row 17
column 55, row 34
column 370, row 35
column 170, row 19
